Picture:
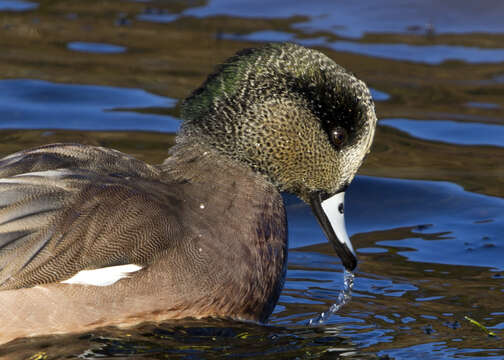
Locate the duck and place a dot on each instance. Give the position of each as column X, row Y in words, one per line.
column 92, row 237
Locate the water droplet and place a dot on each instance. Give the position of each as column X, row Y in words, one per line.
column 343, row 298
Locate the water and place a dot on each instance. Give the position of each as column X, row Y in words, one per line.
column 429, row 54
column 35, row 104
column 355, row 19
column 344, row 297
column 462, row 133
column 425, row 214
column 17, row 5
column 98, row 48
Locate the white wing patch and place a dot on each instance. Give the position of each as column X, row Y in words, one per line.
column 104, row 276
column 37, row 177
column 46, row 173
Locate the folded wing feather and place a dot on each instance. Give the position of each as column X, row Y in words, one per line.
column 57, row 192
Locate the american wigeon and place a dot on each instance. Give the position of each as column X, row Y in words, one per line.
column 90, row 236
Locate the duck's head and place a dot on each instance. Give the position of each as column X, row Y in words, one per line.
column 294, row 115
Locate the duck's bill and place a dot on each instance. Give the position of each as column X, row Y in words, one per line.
column 329, row 211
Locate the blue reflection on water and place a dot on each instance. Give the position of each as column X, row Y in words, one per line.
column 428, row 54
column 36, row 104
column 274, row 36
column 450, row 225
column 379, row 95
column 442, row 350
column 445, row 224
column 355, row 18
column 93, row 47
column 461, row 133
column 17, row 5
column 372, row 250
column 482, row 105
column 159, row 17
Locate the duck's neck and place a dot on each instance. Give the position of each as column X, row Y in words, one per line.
column 194, row 162
column 240, row 226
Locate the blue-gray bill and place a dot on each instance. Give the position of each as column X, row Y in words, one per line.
column 329, row 211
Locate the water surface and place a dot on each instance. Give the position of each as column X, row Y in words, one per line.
column 463, row 133
column 17, row 5
column 429, row 54
column 98, row 48
column 354, row 19
column 35, row 104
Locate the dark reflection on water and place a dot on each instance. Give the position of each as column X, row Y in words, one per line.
column 426, row 223
column 210, row 339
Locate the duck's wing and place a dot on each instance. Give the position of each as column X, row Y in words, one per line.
column 74, row 156
column 69, row 207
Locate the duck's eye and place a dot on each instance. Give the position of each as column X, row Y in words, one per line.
column 338, row 136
